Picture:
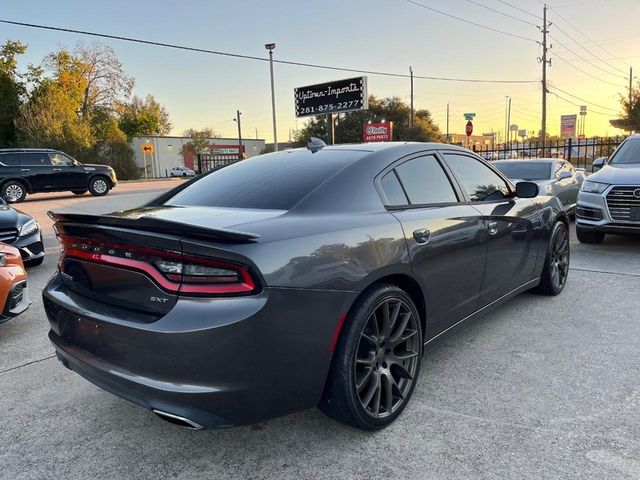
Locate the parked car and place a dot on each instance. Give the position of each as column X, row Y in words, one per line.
column 299, row 278
column 554, row 177
column 181, row 172
column 22, row 232
column 35, row 170
column 609, row 200
column 14, row 295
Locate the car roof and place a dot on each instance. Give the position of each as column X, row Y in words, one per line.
column 531, row 160
column 27, row 150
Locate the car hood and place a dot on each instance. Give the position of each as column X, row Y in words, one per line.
column 8, row 217
column 618, row 175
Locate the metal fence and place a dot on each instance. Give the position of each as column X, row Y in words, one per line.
column 581, row 153
column 206, row 163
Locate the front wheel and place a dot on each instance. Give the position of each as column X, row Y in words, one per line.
column 99, row 186
column 377, row 360
column 556, row 265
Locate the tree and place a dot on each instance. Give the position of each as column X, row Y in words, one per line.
column 12, row 90
column 143, row 117
column 630, row 116
column 199, row 140
column 350, row 125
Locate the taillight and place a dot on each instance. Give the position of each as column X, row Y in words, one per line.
column 171, row 270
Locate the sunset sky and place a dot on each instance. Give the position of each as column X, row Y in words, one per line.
column 599, row 37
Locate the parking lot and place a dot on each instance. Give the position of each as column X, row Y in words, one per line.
column 543, row 387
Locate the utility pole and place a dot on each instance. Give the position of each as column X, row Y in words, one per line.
column 509, row 122
column 630, row 94
column 411, row 114
column 507, row 99
column 447, row 122
column 237, row 120
column 545, row 63
column 330, row 129
column 271, row 47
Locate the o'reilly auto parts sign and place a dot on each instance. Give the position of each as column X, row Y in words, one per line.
column 332, row 97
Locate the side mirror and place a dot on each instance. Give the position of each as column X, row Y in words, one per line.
column 527, row 189
column 599, row 162
column 564, row 175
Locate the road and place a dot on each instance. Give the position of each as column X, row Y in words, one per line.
column 540, row 388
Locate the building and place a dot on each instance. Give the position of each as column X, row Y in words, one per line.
column 166, row 151
column 480, row 141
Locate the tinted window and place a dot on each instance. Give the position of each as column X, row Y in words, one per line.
column 627, row 153
column 425, row 182
column 393, row 190
column 525, row 170
column 277, row 181
column 480, row 182
column 10, row 159
column 35, row 159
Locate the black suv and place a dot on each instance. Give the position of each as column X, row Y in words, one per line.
column 35, row 170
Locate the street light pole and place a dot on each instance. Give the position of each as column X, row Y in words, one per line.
column 271, row 47
column 237, row 120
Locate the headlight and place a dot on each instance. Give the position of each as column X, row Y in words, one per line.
column 3, row 259
column 28, row 228
column 593, row 187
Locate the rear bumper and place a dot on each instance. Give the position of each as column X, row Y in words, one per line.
column 218, row 362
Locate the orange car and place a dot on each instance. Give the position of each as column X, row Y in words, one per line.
column 14, row 296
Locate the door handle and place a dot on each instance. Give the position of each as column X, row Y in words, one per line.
column 421, row 235
column 25, row 169
column 492, row 227
column 57, row 169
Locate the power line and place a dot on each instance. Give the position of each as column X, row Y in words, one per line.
column 520, row 9
column 587, row 73
column 251, row 57
column 583, row 100
column 578, row 105
column 585, row 60
column 583, row 4
column 502, row 13
column 471, row 23
column 588, row 38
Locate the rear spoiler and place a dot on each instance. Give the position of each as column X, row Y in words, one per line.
column 151, row 224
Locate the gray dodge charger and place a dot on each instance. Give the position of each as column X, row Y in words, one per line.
column 309, row 277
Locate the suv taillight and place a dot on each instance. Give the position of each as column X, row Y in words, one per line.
column 171, row 270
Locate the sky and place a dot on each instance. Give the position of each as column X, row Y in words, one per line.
column 594, row 42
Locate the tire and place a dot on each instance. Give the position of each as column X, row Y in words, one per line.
column 556, row 264
column 99, row 186
column 374, row 370
column 79, row 192
column 171, row 175
column 589, row 236
column 14, row 191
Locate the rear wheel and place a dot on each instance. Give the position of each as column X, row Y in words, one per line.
column 377, row 360
column 14, row 191
column 99, row 186
column 556, row 265
column 589, row 236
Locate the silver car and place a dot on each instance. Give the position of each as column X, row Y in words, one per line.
column 554, row 176
column 609, row 200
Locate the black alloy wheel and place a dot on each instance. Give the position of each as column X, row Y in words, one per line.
column 377, row 360
column 556, row 267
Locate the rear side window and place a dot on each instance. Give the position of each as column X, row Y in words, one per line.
column 425, row 182
column 393, row 190
column 10, row 159
column 481, row 183
column 35, row 159
column 277, row 181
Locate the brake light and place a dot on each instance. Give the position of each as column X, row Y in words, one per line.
column 171, row 270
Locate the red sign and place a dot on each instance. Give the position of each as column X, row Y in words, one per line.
column 469, row 128
column 378, row 132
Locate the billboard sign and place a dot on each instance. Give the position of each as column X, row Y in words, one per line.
column 332, row 97
column 378, row 132
column 568, row 126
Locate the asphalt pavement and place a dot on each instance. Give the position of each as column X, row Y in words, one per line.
column 540, row 388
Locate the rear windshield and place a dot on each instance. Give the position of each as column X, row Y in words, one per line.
column 525, row 170
column 628, row 153
column 276, row 181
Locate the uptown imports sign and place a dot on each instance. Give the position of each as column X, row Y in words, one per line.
column 378, row 132
column 332, row 97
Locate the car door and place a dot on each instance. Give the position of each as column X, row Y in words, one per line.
column 67, row 174
column 571, row 187
column 511, row 225
column 445, row 238
column 36, row 168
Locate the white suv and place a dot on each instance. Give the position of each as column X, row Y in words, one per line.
column 609, row 200
column 181, row 172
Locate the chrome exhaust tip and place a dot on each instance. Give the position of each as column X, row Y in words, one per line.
column 178, row 420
